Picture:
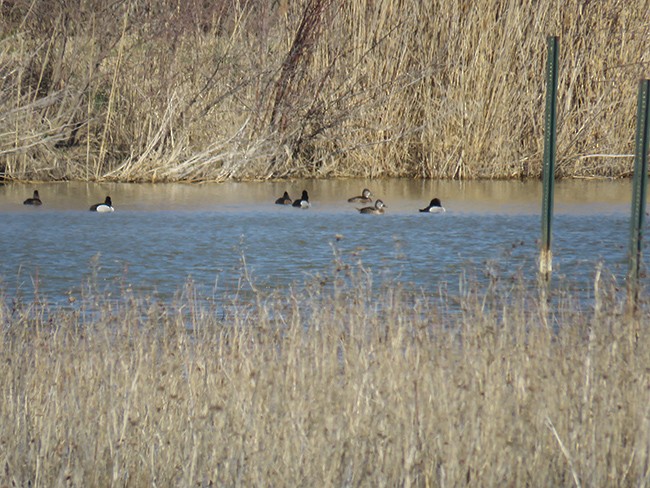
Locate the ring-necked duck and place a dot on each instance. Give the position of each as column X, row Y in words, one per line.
column 303, row 201
column 107, row 206
column 35, row 200
column 378, row 209
column 434, row 207
column 363, row 198
column 284, row 199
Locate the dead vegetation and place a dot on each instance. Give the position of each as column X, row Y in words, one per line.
column 137, row 90
column 348, row 384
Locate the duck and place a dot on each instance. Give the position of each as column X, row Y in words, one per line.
column 303, row 201
column 363, row 198
column 284, row 199
column 378, row 209
column 35, row 200
column 107, row 206
column 434, row 207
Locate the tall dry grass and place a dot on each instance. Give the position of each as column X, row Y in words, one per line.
column 142, row 90
column 344, row 385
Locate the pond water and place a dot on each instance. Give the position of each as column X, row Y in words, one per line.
column 164, row 234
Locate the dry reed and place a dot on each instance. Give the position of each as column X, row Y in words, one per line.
column 346, row 383
column 147, row 91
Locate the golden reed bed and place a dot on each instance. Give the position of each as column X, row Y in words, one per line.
column 352, row 384
column 143, row 90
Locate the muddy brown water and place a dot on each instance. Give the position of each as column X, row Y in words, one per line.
column 161, row 235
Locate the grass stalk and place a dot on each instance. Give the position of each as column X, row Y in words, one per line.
column 111, row 97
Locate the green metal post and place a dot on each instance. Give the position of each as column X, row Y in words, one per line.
column 546, row 255
column 639, row 190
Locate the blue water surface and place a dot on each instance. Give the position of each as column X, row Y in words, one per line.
column 56, row 253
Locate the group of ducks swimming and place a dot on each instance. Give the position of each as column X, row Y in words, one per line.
column 303, row 202
column 435, row 206
column 105, row 206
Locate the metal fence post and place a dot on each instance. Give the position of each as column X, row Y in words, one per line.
column 546, row 254
column 639, row 190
